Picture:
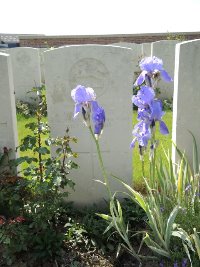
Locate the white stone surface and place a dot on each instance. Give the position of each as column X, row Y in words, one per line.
column 146, row 49
column 41, row 53
column 186, row 108
column 166, row 51
column 136, row 55
column 26, row 71
column 8, row 124
column 108, row 70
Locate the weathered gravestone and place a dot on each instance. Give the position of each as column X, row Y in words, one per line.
column 109, row 71
column 8, row 124
column 186, row 107
column 41, row 54
column 166, row 51
column 26, row 71
column 146, row 49
column 137, row 51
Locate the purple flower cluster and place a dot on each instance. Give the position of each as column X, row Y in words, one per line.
column 151, row 68
column 150, row 108
column 85, row 102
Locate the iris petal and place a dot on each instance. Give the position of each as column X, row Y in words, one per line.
column 165, row 76
column 163, row 128
column 98, row 117
column 132, row 145
column 141, row 78
column 156, row 110
column 146, row 94
column 77, row 109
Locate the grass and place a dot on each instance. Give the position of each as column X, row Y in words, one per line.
column 23, row 132
column 164, row 142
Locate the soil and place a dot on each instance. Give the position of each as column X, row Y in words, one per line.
column 76, row 257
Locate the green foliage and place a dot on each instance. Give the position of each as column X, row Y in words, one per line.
column 178, row 37
column 172, row 206
column 164, row 142
column 14, row 238
column 37, row 194
column 29, row 109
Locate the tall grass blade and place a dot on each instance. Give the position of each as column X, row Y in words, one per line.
column 196, row 238
column 155, row 247
column 169, row 227
column 195, row 155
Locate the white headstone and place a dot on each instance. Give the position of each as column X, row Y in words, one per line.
column 137, row 55
column 166, row 51
column 8, row 124
column 186, row 108
column 146, row 49
column 109, row 71
column 26, row 71
column 41, row 53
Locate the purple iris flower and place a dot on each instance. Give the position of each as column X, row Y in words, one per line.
column 144, row 97
column 85, row 102
column 150, row 67
column 175, row 264
column 142, row 134
column 144, row 114
column 98, row 117
column 83, row 98
column 156, row 115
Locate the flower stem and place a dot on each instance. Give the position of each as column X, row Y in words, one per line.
column 143, row 173
column 106, row 182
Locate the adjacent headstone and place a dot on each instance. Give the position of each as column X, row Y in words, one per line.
column 41, row 53
column 137, row 55
column 108, row 70
column 166, row 51
column 146, row 49
column 8, row 124
column 186, row 109
column 26, row 71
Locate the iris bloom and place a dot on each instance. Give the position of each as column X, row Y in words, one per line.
column 156, row 115
column 149, row 109
column 83, row 98
column 144, row 97
column 142, row 134
column 85, row 102
column 151, row 67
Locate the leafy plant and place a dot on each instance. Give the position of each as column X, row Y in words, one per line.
column 37, row 194
column 29, row 109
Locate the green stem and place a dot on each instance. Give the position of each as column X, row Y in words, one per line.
column 106, row 182
column 143, row 172
column 153, row 162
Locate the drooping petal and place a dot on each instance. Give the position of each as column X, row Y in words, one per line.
column 165, row 76
column 132, row 145
column 163, row 128
column 77, row 109
column 98, row 117
column 140, row 78
column 156, row 110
